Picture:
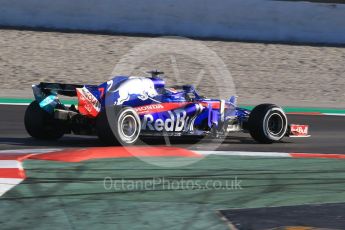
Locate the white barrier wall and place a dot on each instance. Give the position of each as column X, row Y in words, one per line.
column 227, row 19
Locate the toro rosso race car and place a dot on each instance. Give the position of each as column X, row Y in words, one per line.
column 126, row 108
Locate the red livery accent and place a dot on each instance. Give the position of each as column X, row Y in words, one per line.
column 299, row 130
column 214, row 104
column 88, row 104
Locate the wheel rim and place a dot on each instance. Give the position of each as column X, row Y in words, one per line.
column 128, row 126
column 275, row 124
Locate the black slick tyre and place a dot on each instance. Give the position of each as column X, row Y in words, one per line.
column 267, row 123
column 41, row 125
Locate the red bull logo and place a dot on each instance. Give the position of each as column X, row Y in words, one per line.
column 177, row 121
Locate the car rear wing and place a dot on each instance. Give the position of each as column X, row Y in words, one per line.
column 46, row 94
column 58, row 88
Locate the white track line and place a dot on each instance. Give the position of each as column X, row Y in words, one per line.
column 28, row 151
column 7, row 103
column 334, row 114
column 9, row 164
column 7, row 184
column 272, row 154
column 242, row 153
column 14, row 103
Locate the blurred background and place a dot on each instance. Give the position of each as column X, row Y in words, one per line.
column 287, row 52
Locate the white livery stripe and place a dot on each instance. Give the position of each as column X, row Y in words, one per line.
column 240, row 153
column 221, row 109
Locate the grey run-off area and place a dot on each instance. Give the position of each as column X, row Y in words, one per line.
column 290, row 75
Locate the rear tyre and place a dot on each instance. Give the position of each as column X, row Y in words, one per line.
column 41, row 125
column 267, row 123
column 122, row 127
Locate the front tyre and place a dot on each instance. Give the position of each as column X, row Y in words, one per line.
column 122, row 127
column 41, row 125
column 267, row 123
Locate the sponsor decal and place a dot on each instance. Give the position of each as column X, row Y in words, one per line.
column 101, row 92
column 299, row 130
column 149, row 108
column 143, row 88
column 49, row 103
column 177, row 122
column 109, row 84
column 48, row 100
column 160, row 107
column 88, row 104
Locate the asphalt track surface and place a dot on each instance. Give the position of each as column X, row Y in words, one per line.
column 327, row 136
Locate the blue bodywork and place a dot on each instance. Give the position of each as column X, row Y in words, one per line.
column 160, row 108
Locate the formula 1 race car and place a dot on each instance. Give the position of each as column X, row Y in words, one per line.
column 126, row 108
